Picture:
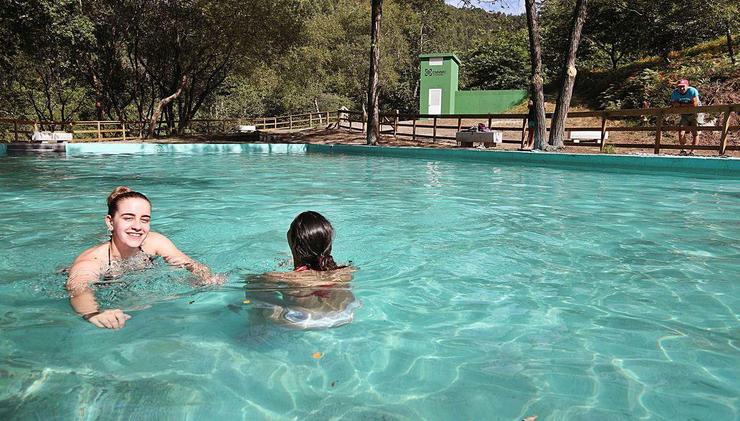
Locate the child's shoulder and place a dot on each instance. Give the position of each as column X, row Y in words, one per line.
column 312, row 277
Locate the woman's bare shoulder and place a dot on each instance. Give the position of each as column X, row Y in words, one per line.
column 154, row 237
column 93, row 253
column 92, row 258
column 156, row 243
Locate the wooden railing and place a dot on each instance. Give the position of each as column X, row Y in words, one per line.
column 437, row 127
column 14, row 130
column 97, row 131
column 289, row 122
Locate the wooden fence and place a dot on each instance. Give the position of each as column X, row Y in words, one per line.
column 437, row 127
column 15, row 130
column 96, row 131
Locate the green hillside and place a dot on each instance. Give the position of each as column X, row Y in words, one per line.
column 649, row 81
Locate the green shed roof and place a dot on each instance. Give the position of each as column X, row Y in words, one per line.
column 443, row 55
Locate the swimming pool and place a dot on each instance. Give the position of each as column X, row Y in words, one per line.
column 488, row 291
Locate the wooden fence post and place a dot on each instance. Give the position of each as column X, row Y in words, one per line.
column 291, row 121
column 395, row 126
column 725, row 129
column 99, row 134
column 413, row 130
column 524, row 132
column 15, row 129
column 658, row 132
column 123, row 129
column 489, row 120
column 459, row 123
column 603, row 131
column 434, row 130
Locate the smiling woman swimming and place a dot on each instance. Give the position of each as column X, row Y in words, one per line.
column 132, row 246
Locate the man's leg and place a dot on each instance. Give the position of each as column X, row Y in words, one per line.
column 693, row 122
column 694, row 136
column 682, row 140
column 682, row 134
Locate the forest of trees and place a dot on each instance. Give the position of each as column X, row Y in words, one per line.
column 118, row 59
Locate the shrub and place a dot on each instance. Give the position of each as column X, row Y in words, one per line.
column 609, row 149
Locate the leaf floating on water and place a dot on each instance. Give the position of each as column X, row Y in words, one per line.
column 334, row 383
column 532, row 418
column 247, row 302
column 316, row 355
column 191, row 302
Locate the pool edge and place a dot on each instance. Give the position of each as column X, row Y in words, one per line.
column 704, row 165
column 708, row 165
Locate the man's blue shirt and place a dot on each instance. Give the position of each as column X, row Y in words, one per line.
column 686, row 97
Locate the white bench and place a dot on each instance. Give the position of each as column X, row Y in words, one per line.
column 47, row 136
column 587, row 136
column 466, row 139
column 246, row 129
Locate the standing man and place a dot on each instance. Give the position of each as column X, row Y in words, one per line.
column 686, row 96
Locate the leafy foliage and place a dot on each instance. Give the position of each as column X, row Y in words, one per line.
column 501, row 63
column 66, row 59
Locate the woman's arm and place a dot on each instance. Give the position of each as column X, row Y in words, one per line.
column 85, row 271
column 162, row 246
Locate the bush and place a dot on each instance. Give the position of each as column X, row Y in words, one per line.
column 646, row 89
column 609, row 149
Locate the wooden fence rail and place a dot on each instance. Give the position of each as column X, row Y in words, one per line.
column 428, row 126
column 18, row 130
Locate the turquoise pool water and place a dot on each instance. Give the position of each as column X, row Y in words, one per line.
column 487, row 291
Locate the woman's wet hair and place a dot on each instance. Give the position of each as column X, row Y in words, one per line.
column 310, row 238
column 120, row 193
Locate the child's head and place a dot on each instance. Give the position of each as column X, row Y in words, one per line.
column 310, row 237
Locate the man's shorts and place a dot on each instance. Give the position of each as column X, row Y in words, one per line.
column 688, row 120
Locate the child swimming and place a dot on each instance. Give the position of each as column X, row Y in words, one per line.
column 316, row 294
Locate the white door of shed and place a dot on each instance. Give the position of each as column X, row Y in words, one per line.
column 435, row 101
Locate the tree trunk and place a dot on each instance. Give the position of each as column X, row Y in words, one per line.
column 728, row 34
column 535, row 55
column 163, row 103
column 568, row 77
column 373, row 123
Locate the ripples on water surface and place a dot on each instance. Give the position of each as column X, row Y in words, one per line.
column 487, row 291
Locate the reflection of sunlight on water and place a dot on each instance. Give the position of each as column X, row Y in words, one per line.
column 433, row 174
column 506, row 288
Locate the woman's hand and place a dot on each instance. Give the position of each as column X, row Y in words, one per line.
column 217, row 279
column 109, row 319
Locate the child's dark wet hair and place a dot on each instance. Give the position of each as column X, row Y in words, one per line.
column 310, row 238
